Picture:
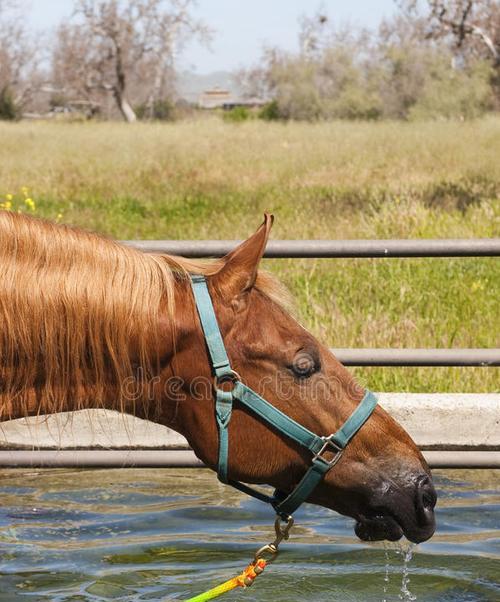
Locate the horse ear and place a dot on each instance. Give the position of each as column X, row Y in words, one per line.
column 239, row 272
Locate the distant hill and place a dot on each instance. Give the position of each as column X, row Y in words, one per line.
column 190, row 84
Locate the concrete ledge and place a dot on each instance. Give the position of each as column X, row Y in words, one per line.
column 435, row 421
column 447, row 420
column 97, row 429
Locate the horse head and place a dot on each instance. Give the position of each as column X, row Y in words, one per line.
column 381, row 480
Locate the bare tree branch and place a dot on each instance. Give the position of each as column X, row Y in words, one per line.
column 124, row 46
column 466, row 22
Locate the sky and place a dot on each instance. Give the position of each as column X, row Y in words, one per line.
column 242, row 27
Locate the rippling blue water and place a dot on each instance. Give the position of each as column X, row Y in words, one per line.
column 136, row 535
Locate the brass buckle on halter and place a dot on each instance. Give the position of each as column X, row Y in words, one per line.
column 282, row 533
column 328, row 443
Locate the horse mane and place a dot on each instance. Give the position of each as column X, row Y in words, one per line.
column 79, row 314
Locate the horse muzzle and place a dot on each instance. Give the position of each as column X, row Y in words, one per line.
column 407, row 511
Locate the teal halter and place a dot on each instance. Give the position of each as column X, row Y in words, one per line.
column 284, row 504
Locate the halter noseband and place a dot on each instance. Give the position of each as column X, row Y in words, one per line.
column 284, row 504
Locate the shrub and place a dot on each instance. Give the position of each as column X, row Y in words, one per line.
column 270, row 111
column 353, row 103
column 237, row 115
column 8, row 109
column 449, row 93
column 162, row 110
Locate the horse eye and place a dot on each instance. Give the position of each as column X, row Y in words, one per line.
column 305, row 364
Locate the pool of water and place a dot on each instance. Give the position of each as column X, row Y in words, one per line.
column 157, row 535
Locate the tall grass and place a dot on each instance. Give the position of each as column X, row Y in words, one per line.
column 210, row 179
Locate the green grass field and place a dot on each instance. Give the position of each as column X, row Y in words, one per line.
column 210, row 179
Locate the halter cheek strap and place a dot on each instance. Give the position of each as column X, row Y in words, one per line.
column 284, row 504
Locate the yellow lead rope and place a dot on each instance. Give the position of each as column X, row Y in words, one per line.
column 255, row 568
column 245, row 579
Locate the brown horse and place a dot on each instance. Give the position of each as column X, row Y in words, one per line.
column 87, row 322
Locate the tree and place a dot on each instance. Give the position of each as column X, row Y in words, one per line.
column 326, row 79
column 472, row 25
column 19, row 61
column 120, row 46
column 399, row 71
column 468, row 21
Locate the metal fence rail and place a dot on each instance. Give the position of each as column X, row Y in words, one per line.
column 312, row 249
column 187, row 459
column 474, row 247
column 418, row 357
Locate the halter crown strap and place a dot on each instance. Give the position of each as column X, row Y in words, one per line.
column 220, row 362
column 284, row 504
column 220, row 365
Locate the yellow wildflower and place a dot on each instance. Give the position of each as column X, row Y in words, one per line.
column 59, row 217
column 7, row 205
column 30, row 203
column 9, row 197
column 25, row 190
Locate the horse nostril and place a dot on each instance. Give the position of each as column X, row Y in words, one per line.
column 428, row 500
column 426, row 495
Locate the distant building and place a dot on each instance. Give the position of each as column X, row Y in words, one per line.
column 217, row 98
